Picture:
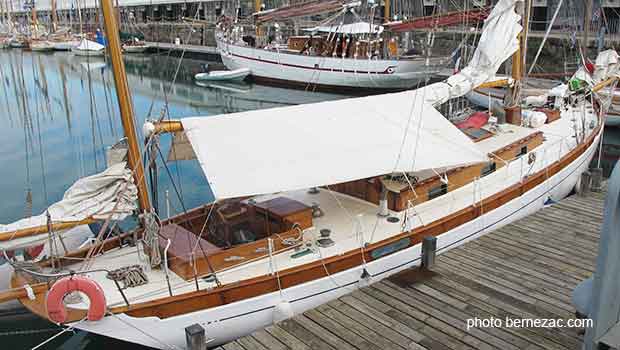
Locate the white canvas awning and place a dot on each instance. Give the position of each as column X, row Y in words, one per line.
column 297, row 147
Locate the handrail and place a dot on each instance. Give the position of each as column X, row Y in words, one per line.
column 62, row 274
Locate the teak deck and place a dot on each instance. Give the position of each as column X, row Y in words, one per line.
column 525, row 270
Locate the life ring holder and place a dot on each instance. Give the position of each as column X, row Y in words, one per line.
column 56, row 310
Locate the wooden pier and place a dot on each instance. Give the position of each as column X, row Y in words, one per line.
column 208, row 53
column 525, row 270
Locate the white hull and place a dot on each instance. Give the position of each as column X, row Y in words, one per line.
column 228, row 322
column 327, row 71
column 65, row 45
column 17, row 44
column 235, row 75
column 87, row 53
column 42, row 47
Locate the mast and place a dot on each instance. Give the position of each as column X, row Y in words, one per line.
column 511, row 102
column 79, row 9
column 386, row 10
column 2, row 13
column 10, row 8
column 257, row 8
column 34, row 20
column 54, row 16
column 124, row 101
column 586, row 24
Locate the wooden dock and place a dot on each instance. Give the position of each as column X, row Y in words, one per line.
column 525, row 270
column 208, row 53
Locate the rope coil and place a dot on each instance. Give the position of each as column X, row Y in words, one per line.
column 130, row 276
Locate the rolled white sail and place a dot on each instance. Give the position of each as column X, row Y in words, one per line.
column 109, row 194
column 498, row 41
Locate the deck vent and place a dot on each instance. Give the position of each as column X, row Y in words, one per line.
column 325, row 241
column 393, row 219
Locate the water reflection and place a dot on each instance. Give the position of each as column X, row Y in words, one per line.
column 61, row 114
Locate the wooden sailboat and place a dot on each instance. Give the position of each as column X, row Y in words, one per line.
column 306, row 212
column 343, row 53
column 135, row 46
column 62, row 39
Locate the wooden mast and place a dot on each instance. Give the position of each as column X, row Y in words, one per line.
column 511, row 102
column 587, row 18
column 35, row 29
column 257, row 8
column 124, row 101
column 10, row 8
column 54, row 16
column 79, row 9
column 386, row 10
column 3, row 11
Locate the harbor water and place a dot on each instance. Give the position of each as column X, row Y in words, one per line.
column 60, row 115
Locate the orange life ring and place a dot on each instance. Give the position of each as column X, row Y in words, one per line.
column 55, row 306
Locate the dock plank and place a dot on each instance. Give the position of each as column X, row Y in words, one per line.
column 527, row 269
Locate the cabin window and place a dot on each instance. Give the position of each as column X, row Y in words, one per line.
column 522, row 151
column 488, row 169
column 437, row 191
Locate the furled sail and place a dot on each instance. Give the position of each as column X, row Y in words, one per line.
column 324, row 143
column 440, row 20
column 498, row 41
column 109, row 194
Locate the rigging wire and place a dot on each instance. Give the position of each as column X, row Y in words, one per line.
column 71, row 327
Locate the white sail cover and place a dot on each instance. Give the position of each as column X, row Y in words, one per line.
column 87, row 45
column 498, row 41
column 110, row 193
column 606, row 66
